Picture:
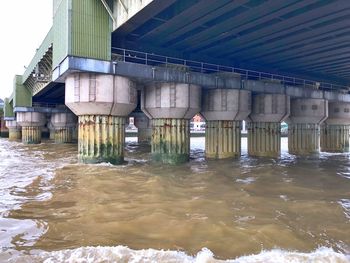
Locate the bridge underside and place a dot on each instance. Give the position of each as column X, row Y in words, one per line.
column 304, row 38
column 53, row 93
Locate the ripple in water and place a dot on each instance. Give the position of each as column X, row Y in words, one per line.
column 55, row 210
column 125, row 254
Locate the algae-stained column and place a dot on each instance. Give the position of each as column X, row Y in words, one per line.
column 63, row 125
column 32, row 123
column 171, row 106
column 102, row 103
column 335, row 130
column 304, row 125
column 144, row 127
column 224, row 110
column 15, row 130
column 264, row 127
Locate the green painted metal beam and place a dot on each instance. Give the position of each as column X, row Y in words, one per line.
column 22, row 95
column 8, row 109
column 40, row 53
column 81, row 28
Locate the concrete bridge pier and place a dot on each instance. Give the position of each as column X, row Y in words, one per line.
column 63, row 124
column 264, row 126
column 335, row 131
column 32, row 124
column 304, row 125
column 15, row 130
column 51, row 130
column 171, row 106
column 224, row 111
column 102, row 102
column 144, row 127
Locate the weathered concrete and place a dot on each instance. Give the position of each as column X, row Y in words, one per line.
column 264, row 126
column 102, row 102
column 63, row 124
column 303, row 138
column 224, row 110
column 31, row 135
column 101, row 139
column 15, row 130
column 32, row 123
column 171, row 106
column 171, row 140
column 222, row 139
column 144, row 127
column 335, row 131
column 52, row 133
column 335, row 138
column 98, row 94
column 304, row 125
column 264, row 139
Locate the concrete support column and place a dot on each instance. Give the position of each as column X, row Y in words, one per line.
column 144, row 127
column 304, row 125
column 75, row 132
column 15, row 130
column 52, row 130
column 63, row 124
column 335, row 138
column 303, row 138
column 101, row 139
column 102, row 103
column 171, row 140
column 31, row 135
column 223, row 139
column 264, row 139
column 224, row 111
column 32, row 123
column 171, row 106
column 335, row 131
column 264, row 126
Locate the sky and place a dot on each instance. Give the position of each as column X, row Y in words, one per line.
column 23, row 26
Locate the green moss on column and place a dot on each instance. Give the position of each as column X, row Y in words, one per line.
column 101, row 139
column 335, row 138
column 223, row 139
column 15, row 134
column 63, row 135
column 31, row 135
column 303, row 138
column 171, row 140
column 264, row 139
column 144, row 135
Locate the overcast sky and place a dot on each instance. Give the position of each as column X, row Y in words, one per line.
column 24, row 25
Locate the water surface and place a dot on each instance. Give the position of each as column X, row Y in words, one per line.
column 54, row 209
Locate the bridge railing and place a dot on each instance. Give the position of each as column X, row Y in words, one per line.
column 126, row 55
column 47, row 105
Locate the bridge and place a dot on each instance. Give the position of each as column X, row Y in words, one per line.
column 262, row 61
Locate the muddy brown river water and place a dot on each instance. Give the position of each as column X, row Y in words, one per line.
column 291, row 209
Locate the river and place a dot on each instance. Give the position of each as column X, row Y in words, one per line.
column 291, row 209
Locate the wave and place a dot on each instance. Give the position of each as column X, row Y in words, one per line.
column 125, row 254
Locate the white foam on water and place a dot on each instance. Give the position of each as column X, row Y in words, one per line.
column 125, row 254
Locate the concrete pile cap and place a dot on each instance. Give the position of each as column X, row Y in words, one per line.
column 171, row 100
column 338, row 113
column 308, row 111
column 100, row 94
column 226, row 104
column 31, row 119
column 270, row 108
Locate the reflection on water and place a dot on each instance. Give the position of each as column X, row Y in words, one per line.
column 231, row 207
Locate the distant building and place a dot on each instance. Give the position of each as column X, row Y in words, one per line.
column 198, row 123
